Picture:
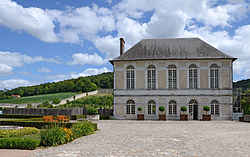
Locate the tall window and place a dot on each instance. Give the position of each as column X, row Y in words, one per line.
column 130, row 107
column 130, row 77
column 151, row 77
column 215, row 107
column 192, row 76
column 172, row 109
column 172, row 77
column 151, row 107
column 191, row 106
column 214, row 76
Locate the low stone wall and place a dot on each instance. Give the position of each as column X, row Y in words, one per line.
column 68, row 112
column 26, row 111
column 236, row 116
column 105, row 90
column 246, row 118
column 78, row 96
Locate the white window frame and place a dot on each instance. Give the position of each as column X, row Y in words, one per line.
column 193, row 76
column 172, row 107
column 151, row 107
column 130, row 77
column 151, row 77
column 215, row 108
column 172, row 77
column 130, row 107
column 214, row 76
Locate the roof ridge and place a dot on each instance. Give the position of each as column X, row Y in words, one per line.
column 189, row 48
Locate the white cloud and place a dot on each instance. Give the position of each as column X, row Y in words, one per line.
column 84, row 58
column 90, row 71
column 13, row 83
column 87, row 72
column 5, row 69
column 16, row 59
column 108, row 45
column 44, row 70
column 34, row 21
column 82, row 23
column 58, row 77
column 8, row 60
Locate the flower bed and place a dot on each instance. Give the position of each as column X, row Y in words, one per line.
column 59, row 135
column 52, row 134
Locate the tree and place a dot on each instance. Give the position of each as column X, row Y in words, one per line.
column 245, row 103
column 56, row 101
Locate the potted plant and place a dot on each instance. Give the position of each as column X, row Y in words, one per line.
column 183, row 115
column 162, row 114
column 206, row 117
column 92, row 113
column 140, row 115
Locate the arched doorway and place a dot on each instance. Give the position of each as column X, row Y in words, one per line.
column 193, row 110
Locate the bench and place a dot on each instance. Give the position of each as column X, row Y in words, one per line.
column 63, row 118
column 49, row 119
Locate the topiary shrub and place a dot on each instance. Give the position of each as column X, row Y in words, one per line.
column 183, row 108
column 92, row 110
column 161, row 108
column 206, row 108
column 139, row 108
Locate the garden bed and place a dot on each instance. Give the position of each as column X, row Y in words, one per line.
column 50, row 135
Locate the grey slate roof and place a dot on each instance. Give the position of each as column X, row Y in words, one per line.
column 175, row 48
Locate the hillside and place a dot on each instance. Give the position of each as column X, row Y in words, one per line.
column 38, row 98
column 81, row 84
column 244, row 84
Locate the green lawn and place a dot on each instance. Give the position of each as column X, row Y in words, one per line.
column 39, row 98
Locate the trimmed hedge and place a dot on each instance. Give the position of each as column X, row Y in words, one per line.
column 6, row 133
column 39, row 124
column 19, row 116
column 18, row 143
column 36, row 124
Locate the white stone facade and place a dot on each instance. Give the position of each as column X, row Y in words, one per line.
column 162, row 95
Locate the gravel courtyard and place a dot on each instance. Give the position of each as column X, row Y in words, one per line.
column 159, row 138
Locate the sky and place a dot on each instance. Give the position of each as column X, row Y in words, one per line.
column 51, row 40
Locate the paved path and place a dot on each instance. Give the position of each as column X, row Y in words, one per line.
column 15, row 152
column 159, row 138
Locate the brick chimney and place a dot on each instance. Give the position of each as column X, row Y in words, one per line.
column 122, row 42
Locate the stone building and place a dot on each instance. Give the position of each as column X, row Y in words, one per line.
column 172, row 73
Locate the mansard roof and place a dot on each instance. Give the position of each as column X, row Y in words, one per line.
column 175, row 48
